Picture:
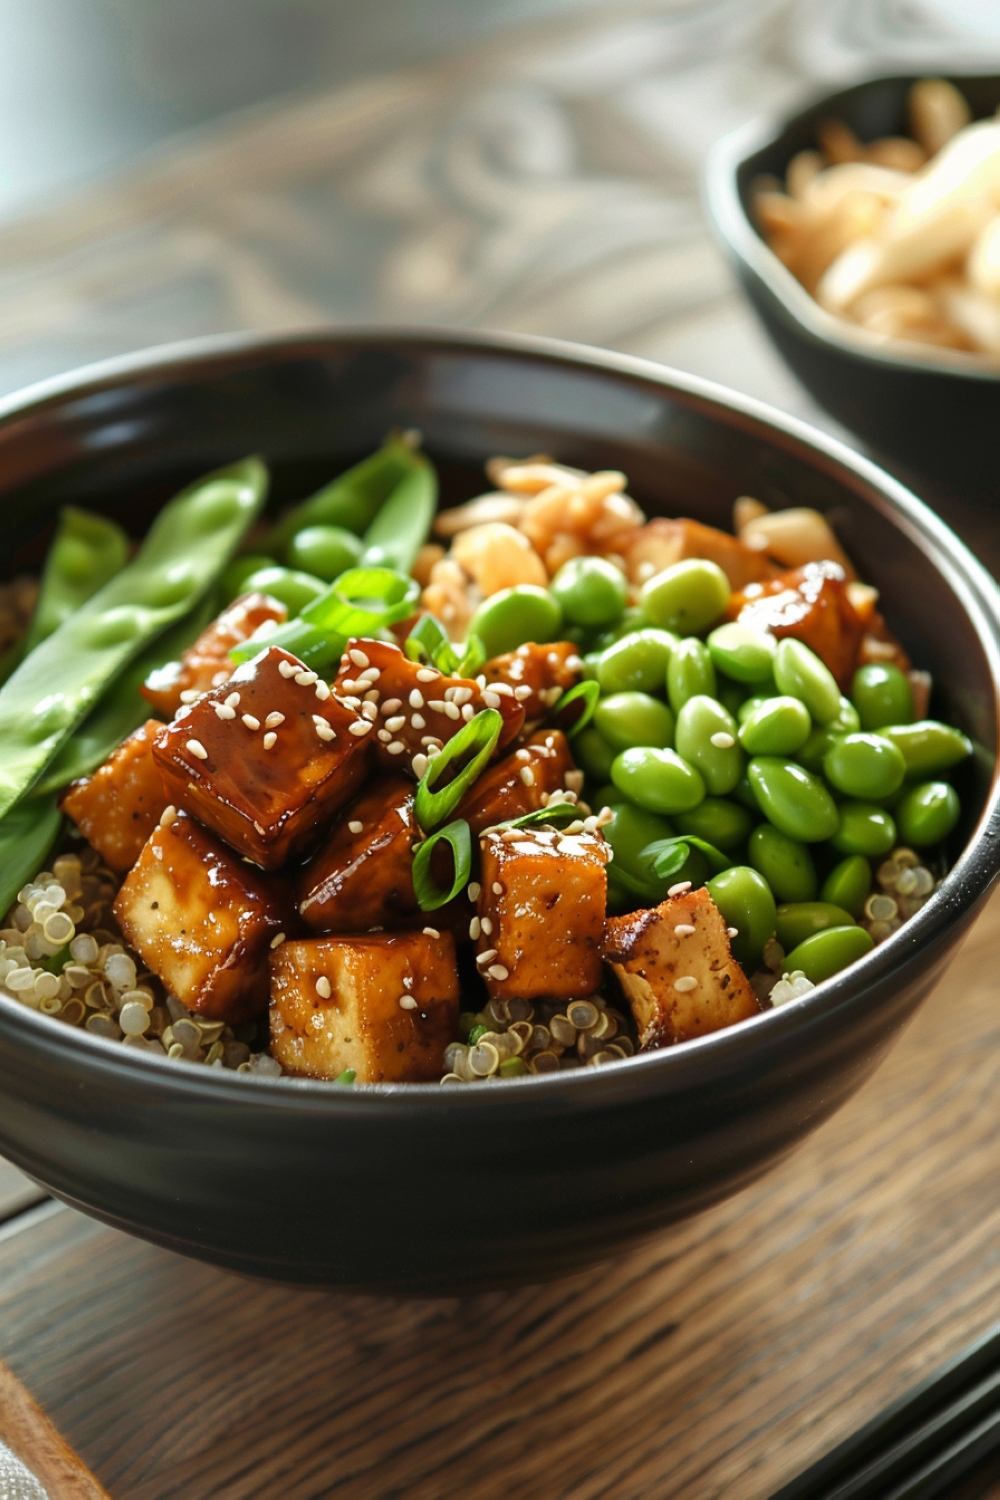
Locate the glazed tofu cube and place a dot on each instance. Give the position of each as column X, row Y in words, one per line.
column 201, row 920
column 361, row 877
column 418, row 706
column 118, row 807
column 661, row 543
column 206, row 663
column 266, row 759
column 677, row 971
column 541, row 907
column 384, row 1005
column 813, row 605
column 536, row 675
column 522, row 782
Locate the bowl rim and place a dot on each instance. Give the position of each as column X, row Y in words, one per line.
column 660, row 1072
column 744, row 242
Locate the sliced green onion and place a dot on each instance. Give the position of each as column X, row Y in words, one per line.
column 670, row 855
column 429, row 894
column 556, row 812
column 360, row 602
column 477, row 739
column 475, row 655
column 347, row 1076
column 570, row 719
column 428, row 641
column 636, row 887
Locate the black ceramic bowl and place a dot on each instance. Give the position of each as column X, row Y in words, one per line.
column 417, row 1187
column 934, row 411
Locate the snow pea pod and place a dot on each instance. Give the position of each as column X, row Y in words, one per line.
column 402, row 525
column 352, row 500
column 794, row 800
column 825, row 953
column 324, row 551
column 928, row 813
column 88, row 550
column 186, row 549
column 292, row 589
column 745, row 900
column 706, row 737
column 785, row 864
column 929, row 747
column 798, row 920
column 27, row 833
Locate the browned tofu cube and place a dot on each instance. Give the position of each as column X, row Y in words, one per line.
column 202, row 920
column 206, row 663
column 661, row 543
column 677, row 971
column 384, row 1005
column 418, row 707
column 812, row 604
column 361, row 876
column 522, row 782
column 541, row 907
column 118, row 807
column 266, row 759
column 536, row 675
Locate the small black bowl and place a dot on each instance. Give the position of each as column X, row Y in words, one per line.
column 934, row 411
column 415, row 1187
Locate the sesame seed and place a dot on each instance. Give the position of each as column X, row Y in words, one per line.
column 468, row 712
column 427, row 674
column 453, row 711
column 474, row 888
column 396, row 748
column 233, row 700
column 273, row 720
column 390, row 705
column 732, row 932
column 522, row 754
column 416, row 699
column 574, row 780
column 685, row 984
column 287, row 668
column 497, row 971
column 190, row 695
column 359, row 658
column 325, row 732
column 475, row 927
column 527, row 776
column 322, row 690
column 197, row 748
column 722, row 740
column 431, row 932
column 487, row 926
column 684, row 929
column 354, row 703
column 157, row 852
column 359, row 727
column 370, row 674
column 680, row 889
column 306, row 679
column 497, row 888
column 396, row 722
column 277, row 940
column 222, row 712
column 407, row 1002
column 487, row 956
column 323, row 987
column 460, row 695
column 270, row 740
column 419, row 764
column 251, row 722
column 503, row 688
column 438, row 705
column 182, row 713
column 168, row 816
column 522, row 693
column 372, row 696
column 259, row 827
column 383, row 735
column 492, row 700
column 369, row 712
column 418, row 721
column 350, row 686
column 218, row 678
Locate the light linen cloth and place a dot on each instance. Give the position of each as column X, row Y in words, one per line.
column 16, row 1482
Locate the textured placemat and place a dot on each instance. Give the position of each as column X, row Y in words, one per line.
column 35, row 1461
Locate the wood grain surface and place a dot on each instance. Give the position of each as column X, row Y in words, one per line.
column 17, row 1192
column 718, row 1360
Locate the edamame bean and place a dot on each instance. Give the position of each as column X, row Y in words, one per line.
column 686, row 597
column 629, row 833
column 627, row 719
column 795, row 801
column 798, row 920
column 927, row 814
column 593, row 754
column 591, row 591
column 706, row 737
column 658, row 780
column 882, row 695
column 848, row 884
column 864, row 765
column 744, row 899
column 825, row 736
column 864, row 828
column 800, row 673
column 717, row 820
column 607, row 795
column 785, row 864
column 638, row 662
column 778, row 726
column 929, row 747
column 742, row 653
column 732, row 696
column 751, row 704
column 324, row 551
column 511, row 617
column 631, row 621
column 232, row 582
column 825, row 953
column 689, row 672
column 744, row 794
column 293, row 590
